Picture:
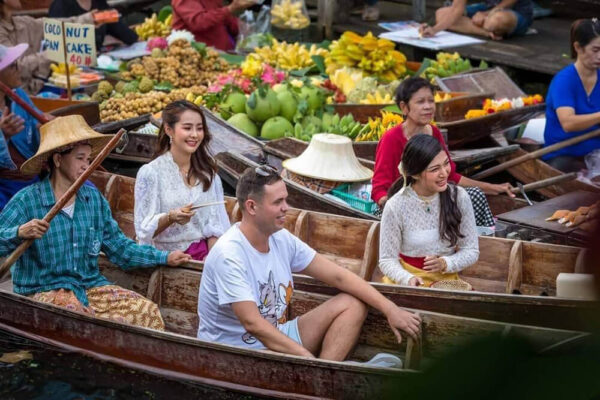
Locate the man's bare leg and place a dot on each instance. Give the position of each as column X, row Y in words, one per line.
column 463, row 25
column 331, row 330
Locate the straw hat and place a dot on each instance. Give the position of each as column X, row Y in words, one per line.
column 329, row 157
column 60, row 133
column 452, row 284
column 9, row 55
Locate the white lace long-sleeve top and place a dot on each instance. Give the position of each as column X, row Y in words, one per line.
column 408, row 228
column 159, row 188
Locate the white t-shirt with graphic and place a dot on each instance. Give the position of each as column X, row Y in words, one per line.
column 235, row 271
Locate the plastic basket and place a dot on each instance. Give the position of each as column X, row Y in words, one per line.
column 341, row 192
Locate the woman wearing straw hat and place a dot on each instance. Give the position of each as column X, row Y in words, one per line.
column 16, row 29
column 20, row 137
column 61, row 266
column 415, row 98
column 428, row 230
column 183, row 175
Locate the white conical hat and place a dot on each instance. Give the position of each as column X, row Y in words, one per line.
column 329, row 157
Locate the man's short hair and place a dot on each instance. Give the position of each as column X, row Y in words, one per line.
column 252, row 183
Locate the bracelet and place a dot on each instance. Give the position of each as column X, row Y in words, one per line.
column 169, row 220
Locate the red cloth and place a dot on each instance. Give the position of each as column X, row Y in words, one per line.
column 208, row 20
column 198, row 250
column 388, row 157
column 417, row 262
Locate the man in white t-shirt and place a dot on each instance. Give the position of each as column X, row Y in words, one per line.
column 247, row 284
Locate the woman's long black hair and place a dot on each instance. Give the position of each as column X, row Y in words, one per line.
column 419, row 152
column 203, row 166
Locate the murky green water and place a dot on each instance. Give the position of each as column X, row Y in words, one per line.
column 54, row 375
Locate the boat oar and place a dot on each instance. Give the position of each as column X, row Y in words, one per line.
column 535, row 154
column 545, row 182
column 10, row 260
column 8, row 91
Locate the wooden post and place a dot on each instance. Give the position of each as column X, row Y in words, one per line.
column 414, row 350
column 536, row 154
column 64, row 37
column 515, row 267
column 10, row 260
column 418, row 10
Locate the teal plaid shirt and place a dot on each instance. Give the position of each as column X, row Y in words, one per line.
column 67, row 255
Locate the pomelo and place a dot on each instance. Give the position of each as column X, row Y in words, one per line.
column 262, row 105
column 244, row 124
column 313, row 96
column 288, row 103
column 235, row 103
column 275, row 128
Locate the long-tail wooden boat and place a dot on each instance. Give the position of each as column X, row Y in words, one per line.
column 232, row 165
column 505, row 267
column 535, row 170
column 177, row 354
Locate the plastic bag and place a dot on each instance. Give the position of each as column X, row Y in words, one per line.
column 592, row 162
column 254, row 30
column 289, row 14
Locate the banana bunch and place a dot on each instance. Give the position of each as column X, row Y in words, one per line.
column 61, row 69
column 372, row 55
column 287, row 56
column 345, row 126
column 446, row 64
column 377, row 98
column 169, row 21
column 289, row 15
column 440, row 96
column 197, row 100
column 152, row 27
column 375, row 128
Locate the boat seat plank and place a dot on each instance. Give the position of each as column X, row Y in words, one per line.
column 485, row 285
column 491, row 264
column 542, row 267
column 515, row 267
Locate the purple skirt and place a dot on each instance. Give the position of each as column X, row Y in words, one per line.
column 198, row 250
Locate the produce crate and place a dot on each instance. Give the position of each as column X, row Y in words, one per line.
column 291, row 35
column 341, row 192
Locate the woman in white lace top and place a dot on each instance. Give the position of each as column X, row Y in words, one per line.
column 183, row 175
column 428, row 230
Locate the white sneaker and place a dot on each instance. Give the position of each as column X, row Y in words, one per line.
column 382, row 360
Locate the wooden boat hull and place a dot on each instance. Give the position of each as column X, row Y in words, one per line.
column 535, row 170
column 59, row 107
column 504, row 266
column 238, row 369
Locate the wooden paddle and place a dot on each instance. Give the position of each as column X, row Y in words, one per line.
column 10, row 260
column 8, row 91
column 214, row 203
column 546, row 182
column 535, row 154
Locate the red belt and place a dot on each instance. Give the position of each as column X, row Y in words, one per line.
column 417, row 262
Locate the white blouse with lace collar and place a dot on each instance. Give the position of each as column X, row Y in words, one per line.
column 159, row 188
column 411, row 226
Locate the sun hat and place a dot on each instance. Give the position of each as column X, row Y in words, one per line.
column 9, row 55
column 329, row 157
column 59, row 135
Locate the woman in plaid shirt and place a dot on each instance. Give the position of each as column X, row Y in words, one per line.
column 61, row 267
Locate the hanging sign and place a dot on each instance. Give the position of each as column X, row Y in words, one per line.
column 79, row 40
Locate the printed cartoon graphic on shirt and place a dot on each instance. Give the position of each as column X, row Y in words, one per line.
column 273, row 304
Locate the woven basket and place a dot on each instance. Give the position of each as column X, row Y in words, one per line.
column 454, row 284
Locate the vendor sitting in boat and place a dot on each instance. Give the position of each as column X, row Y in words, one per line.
column 20, row 137
column 495, row 19
column 573, row 99
column 183, row 175
column 247, row 284
column 428, row 230
column 61, row 266
column 415, row 98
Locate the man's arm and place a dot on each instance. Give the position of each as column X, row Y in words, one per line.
column 247, row 313
column 328, row 272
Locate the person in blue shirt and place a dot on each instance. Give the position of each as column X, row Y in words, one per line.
column 573, row 99
column 19, row 136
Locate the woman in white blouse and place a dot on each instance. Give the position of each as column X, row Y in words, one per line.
column 183, row 175
column 428, row 230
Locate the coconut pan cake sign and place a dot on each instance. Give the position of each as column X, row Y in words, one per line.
column 79, row 39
